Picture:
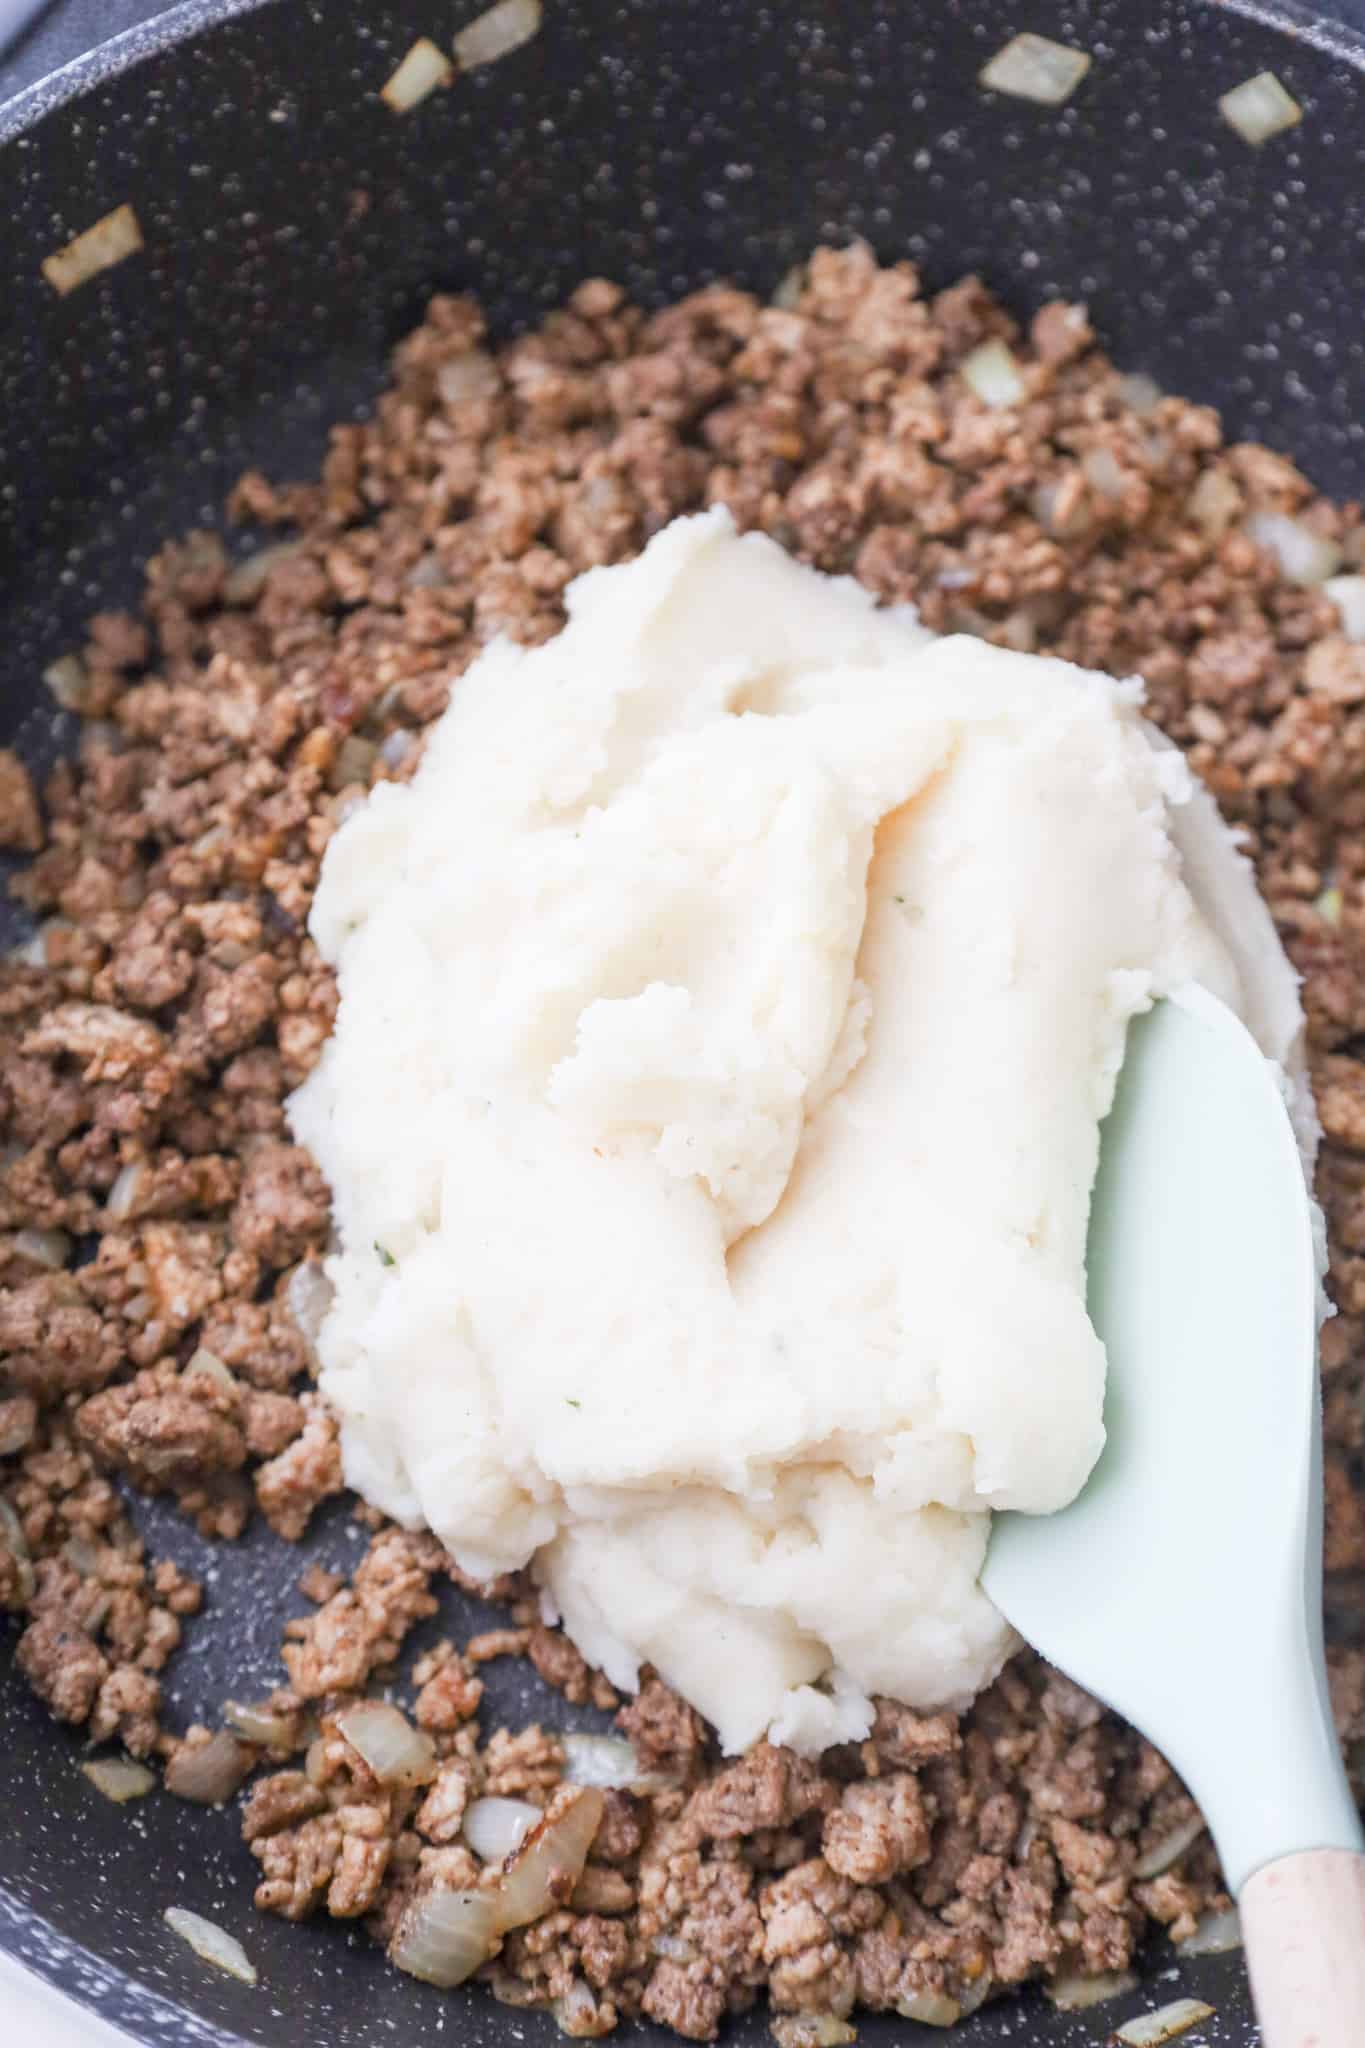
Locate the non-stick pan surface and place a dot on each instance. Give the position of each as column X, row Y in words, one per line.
column 294, row 229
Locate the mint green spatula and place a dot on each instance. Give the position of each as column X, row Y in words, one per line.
column 1184, row 1586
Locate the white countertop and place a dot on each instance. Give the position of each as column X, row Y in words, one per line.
column 33, row 2012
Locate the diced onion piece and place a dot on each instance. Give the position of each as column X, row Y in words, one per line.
column 355, row 758
column 108, row 242
column 1170, row 1848
column 394, row 750
column 17, row 1431
column 1154, row 2029
column 1075, row 1994
column 1214, row 1935
column 550, row 1862
column 1018, row 630
column 81, row 1553
column 1043, row 505
column 248, row 578
column 576, row 2011
column 12, row 1530
column 510, row 1990
column 1140, row 393
column 1304, row 556
column 445, row 1936
column 421, row 71
column 496, row 1828
column 600, row 1760
column 69, row 682
column 395, row 1751
column 502, row 29
column 261, row 1724
column 211, row 1943
column 1348, row 595
column 791, row 287
column 1102, row 472
column 975, row 1996
column 1214, row 503
column 13, row 1539
column 1035, row 68
column 429, row 573
column 1259, row 107
column 122, row 1196
column 308, row 1294
column 465, row 378
column 812, row 2030
column 930, row 2008
column 994, row 375
column 209, row 1774
column 119, row 1778
column 50, row 1248
column 212, row 1367
column 113, row 238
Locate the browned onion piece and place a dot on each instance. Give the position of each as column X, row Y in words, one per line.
column 1304, row 556
column 13, row 1539
column 812, row 2030
column 123, row 1194
column 395, row 1751
column 930, row 2008
column 550, row 1862
column 444, row 1936
column 1033, row 67
column 308, row 1295
column 1214, row 1935
column 496, row 1828
column 119, row 1778
column 1170, row 1848
column 261, row 1724
column 1075, row 1994
column 50, row 1248
column 211, row 1773
column 1260, row 107
column 213, row 1944
column 1154, row 2029
column 421, row 71
column 17, row 1431
column 99, row 248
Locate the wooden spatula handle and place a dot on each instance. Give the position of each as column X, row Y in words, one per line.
column 1303, row 1921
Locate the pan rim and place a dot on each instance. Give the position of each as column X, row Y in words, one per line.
column 124, row 2002
column 25, row 110
column 92, row 1985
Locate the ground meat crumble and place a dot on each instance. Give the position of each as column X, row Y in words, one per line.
column 159, row 1233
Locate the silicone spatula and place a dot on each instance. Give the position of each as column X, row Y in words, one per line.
column 1184, row 1585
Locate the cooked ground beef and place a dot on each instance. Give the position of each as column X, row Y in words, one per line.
column 148, row 1040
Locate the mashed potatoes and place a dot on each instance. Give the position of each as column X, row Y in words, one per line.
column 728, row 1009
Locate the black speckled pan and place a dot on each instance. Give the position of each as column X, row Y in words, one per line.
column 294, row 228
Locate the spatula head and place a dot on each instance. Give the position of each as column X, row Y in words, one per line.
column 1184, row 1585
